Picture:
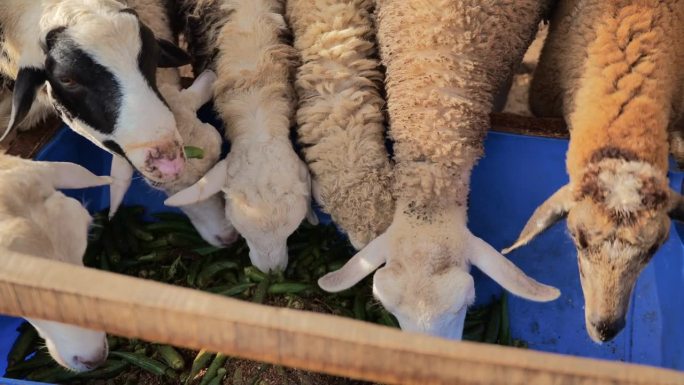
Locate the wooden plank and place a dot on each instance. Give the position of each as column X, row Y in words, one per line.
column 528, row 125
column 27, row 144
column 131, row 307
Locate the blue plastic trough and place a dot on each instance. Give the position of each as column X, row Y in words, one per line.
column 516, row 175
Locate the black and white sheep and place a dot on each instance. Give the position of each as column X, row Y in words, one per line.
column 95, row 63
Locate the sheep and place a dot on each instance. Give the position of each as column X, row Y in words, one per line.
column 340, row 118
column 207, row 216
column 266, row 185
column 612, row 70
column 445, row 62
column 89, row 56
column 36, row 219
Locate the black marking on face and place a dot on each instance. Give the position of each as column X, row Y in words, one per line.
column 149, row 53
column 147, row 59
column 582, row 239
column 29, row 81
column 653, row 193
column 612, row 152
column 82, row 88
column 114, row 147
column 52, row 37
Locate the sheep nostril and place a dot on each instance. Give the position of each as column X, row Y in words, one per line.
column 227, row 240
column 607, row 330
column 92, row 362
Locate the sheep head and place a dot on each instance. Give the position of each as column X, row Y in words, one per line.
column 618, row 215
column 73, row 347
column 98, row 64
column 268, row 193
column 207, row 216
column 32, row 220
column 425, row 281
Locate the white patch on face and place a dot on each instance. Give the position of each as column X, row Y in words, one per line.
column 74, row 348
column 424, row 302
column 623, row 180
column 267, row 197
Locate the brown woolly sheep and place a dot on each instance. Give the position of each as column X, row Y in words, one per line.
column 613, row 70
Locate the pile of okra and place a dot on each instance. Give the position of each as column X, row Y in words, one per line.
column 165, row 247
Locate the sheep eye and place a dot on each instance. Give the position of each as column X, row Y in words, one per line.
column 67, row 81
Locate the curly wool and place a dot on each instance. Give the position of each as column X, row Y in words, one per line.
column 340, row 118
column 615, row 75
column 443, row 70
column 254, row 65
column 268, row 188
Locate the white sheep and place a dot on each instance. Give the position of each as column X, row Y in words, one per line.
column 340, row 118
column 208, row 216
column 94, row 63
column 613, row 70
column 445, row 62
column 267, row 187
column 36, row 219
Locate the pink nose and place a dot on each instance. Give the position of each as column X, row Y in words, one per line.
column 169, row 167
column 167, row 162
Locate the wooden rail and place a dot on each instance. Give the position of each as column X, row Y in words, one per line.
column 132, row 307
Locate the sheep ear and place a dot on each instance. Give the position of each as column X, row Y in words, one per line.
column 66, row 175
column 202, row 88
column 676, row 206
column 29, row 80
column 506, row 274
column 311, row 216
column 213, row 182
column 122, row 174
column 171, row 56
column 361, row 265
column 554, row 209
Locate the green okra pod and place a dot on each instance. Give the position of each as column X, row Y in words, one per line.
column 288, row 288
column 201, row 360
column 217, row 363
column 494, row 324
column 171, row 357
column 254, row 274
column 261, row 290
column 237, row 289
column 209, row 271
column 144, row 362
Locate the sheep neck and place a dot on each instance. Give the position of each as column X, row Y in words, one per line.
column 441, row 82
column 622, row 105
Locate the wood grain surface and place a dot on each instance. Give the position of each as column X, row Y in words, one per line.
column 132, row 307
